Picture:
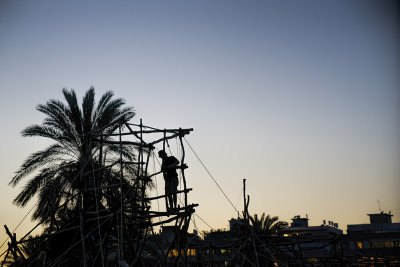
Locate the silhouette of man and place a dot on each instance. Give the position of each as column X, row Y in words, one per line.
column 168, row 167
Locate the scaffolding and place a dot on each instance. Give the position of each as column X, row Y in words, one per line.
column 116, row 234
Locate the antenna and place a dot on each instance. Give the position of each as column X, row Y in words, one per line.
column 379, row 204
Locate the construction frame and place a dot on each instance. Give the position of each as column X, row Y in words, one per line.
column 116, row 235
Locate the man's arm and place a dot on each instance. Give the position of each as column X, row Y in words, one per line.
column 172, row 163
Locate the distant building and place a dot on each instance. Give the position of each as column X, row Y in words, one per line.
column 379, row 223
column 313, row 244
column 375, row 243
column 299, row 227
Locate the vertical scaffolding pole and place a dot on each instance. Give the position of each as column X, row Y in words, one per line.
column 95, row 186
column 184, row 188
column 245, row 204
column 183, row 165
column 121, row 240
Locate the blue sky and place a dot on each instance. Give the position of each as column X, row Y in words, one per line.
column 300, row 98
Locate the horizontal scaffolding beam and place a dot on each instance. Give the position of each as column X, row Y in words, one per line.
column 122, row 142
column 158, row 197
column 164, row 213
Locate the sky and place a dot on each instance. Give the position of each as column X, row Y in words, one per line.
column 301, row 98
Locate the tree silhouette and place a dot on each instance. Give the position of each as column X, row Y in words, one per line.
column 64, row 175
column 267, row 225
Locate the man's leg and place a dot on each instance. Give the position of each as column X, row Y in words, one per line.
column 168, row 202
column 174, row 189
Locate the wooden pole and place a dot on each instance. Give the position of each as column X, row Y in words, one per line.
column 95, row 186
column 14, row 243
column 81, row 228
column 244, row 202
column 183, row 164
column 120, row 226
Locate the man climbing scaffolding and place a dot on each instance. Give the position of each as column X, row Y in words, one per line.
column 168, row 167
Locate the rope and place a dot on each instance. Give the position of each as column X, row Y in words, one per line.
column 179, row 154
column 237, row 202
column 179, row 197
column 154, row 170
column 211, row 176
column 169, row 148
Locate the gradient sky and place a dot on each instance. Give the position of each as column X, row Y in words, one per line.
column 301, row 98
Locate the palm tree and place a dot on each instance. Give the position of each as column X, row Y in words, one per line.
column 267, row 225
column 266, row 229
column 65, row 174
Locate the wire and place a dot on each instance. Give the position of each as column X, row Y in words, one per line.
column 211, row 175
column 203, row 221
column 37, row 201
column 179, row 152
column 155, row 180
column 20, row 223
column 179, row 198
column 237, row 202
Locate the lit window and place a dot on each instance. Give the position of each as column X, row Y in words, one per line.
column 225, row 251
column 173, row 253
column 389, row 244
column 189, row 252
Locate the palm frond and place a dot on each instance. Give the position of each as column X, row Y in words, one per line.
column 87, row 110
column 37, row 160
column 126, row 151
column 73, row 111
column 105, row 98
column 48, row 200
column 267, row 224
column 32, row 187
column 58, row 118
column 42, row 131
column 109, row 112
